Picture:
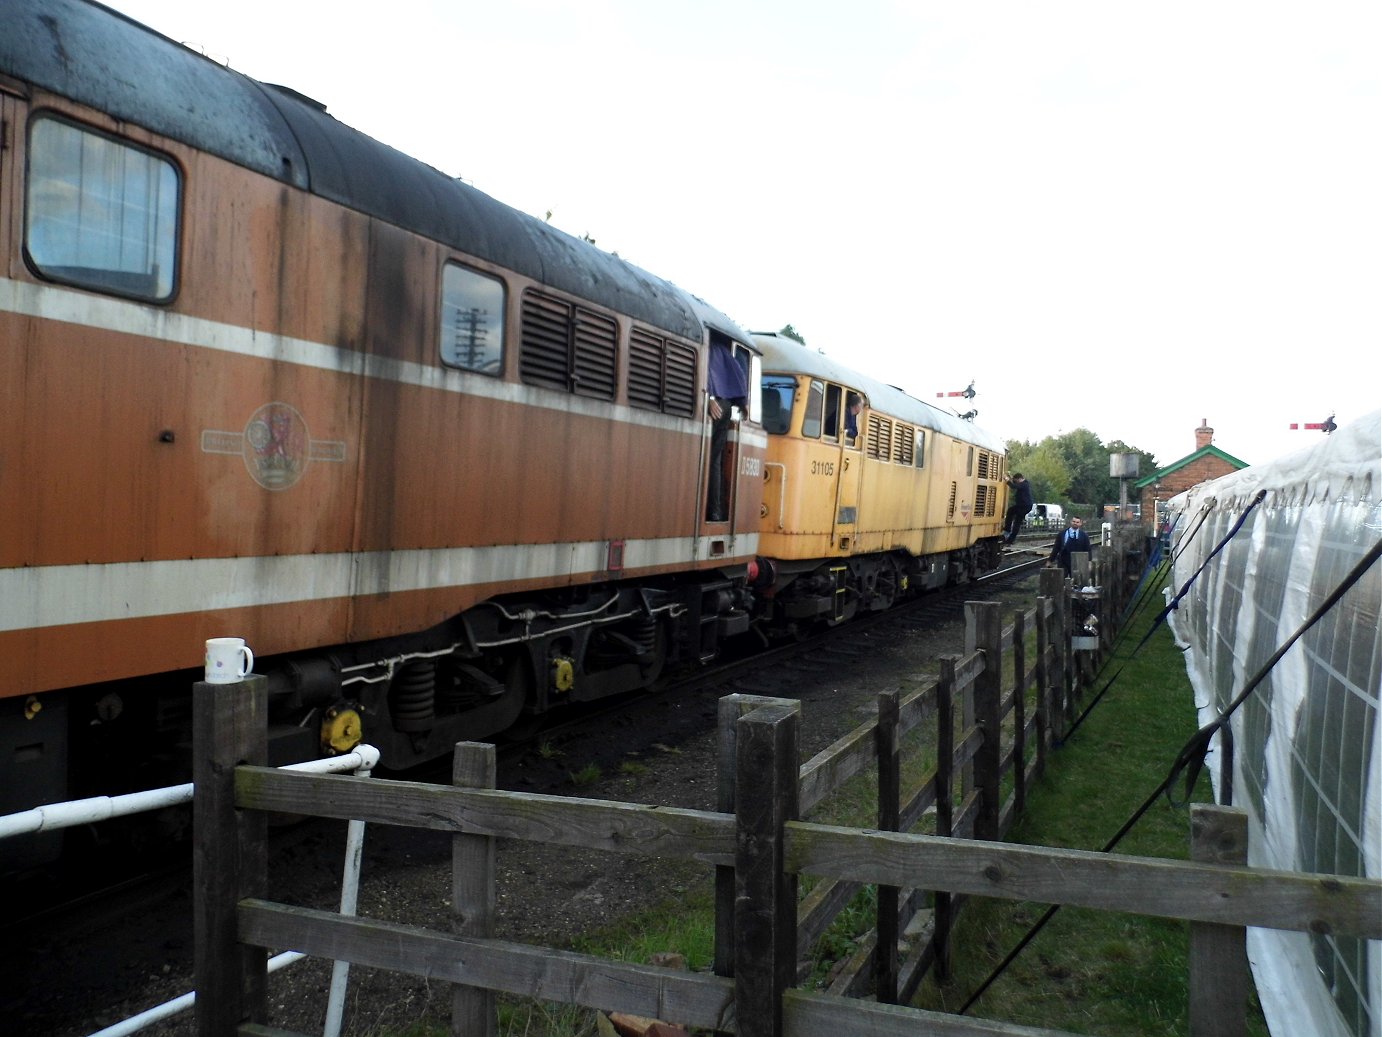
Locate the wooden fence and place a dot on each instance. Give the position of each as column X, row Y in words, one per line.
column 758, row 847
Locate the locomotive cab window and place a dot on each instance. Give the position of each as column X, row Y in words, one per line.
column 100, row 213
column 919, row 454
column 472, row 320
column 779, row 393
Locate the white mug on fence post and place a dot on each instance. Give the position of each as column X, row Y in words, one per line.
column 228, row 659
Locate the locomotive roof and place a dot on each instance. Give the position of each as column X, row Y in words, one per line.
column 785, row 355
column 96, row 56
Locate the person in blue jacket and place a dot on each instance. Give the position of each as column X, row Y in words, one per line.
column 727, row 387
column 1071, row 541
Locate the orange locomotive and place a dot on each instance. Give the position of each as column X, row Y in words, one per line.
column 439, row 464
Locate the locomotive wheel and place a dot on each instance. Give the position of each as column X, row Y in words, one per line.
column 886, row 585
column 519, row 685
column 651, row 665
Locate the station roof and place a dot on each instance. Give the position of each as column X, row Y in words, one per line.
column 1205, row 451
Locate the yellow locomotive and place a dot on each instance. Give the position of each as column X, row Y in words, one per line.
column 868, row 492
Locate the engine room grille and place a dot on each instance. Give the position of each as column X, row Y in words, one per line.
column 680, row 386
column 593, row 370
column 880, row 437
column 567, row 347
column 903, row 443
column 985, row 501
column 662, row 374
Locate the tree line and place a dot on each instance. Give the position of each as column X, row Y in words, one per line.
column 1072, row 469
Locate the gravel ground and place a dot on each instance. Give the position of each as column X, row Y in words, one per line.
column 546, row 895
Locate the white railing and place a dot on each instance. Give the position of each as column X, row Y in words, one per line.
column 54, row 816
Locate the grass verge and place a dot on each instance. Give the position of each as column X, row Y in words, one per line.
column 1094, row 972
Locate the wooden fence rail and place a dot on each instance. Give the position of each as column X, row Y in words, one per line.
column 769, row 848
column 985, row 737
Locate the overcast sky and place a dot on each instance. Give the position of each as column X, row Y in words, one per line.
column 1124, row 217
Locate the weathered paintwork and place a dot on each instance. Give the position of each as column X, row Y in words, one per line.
column 392, row 493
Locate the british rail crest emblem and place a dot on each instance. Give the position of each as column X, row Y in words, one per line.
column 276, row 446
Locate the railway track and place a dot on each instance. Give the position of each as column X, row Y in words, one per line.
column 739, row 670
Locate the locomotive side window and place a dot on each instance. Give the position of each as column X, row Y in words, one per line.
column 567, row 347
column 99, row 213
column 815, row 402
column 662, row 374
column 919, row 455
column 832, row 412
column 472, row 320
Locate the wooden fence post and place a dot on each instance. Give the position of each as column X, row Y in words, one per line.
column 727, row 717
column 1053, row 587
column 730, row 709
column 473, row 1010
column 965, row 702
column 229, row 854
column 988, row 714
column 889, row 818
column 1218, row 953
column 765, row 944
column 943, row 900
column 1044, row 682
column 1019, row 713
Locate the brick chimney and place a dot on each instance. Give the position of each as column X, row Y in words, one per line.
column 1204, row 435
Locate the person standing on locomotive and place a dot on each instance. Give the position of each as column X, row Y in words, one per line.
column 1020, row 507
column 727, row 387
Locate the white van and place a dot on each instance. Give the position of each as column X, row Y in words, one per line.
column 1046, row 516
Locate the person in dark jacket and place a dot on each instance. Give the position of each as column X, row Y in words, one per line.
column 727, row 388
column 1019, row 506
column 1071, row 541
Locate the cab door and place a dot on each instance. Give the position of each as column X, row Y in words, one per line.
column 731, row 454
column 847, row 494
column 844, row 519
